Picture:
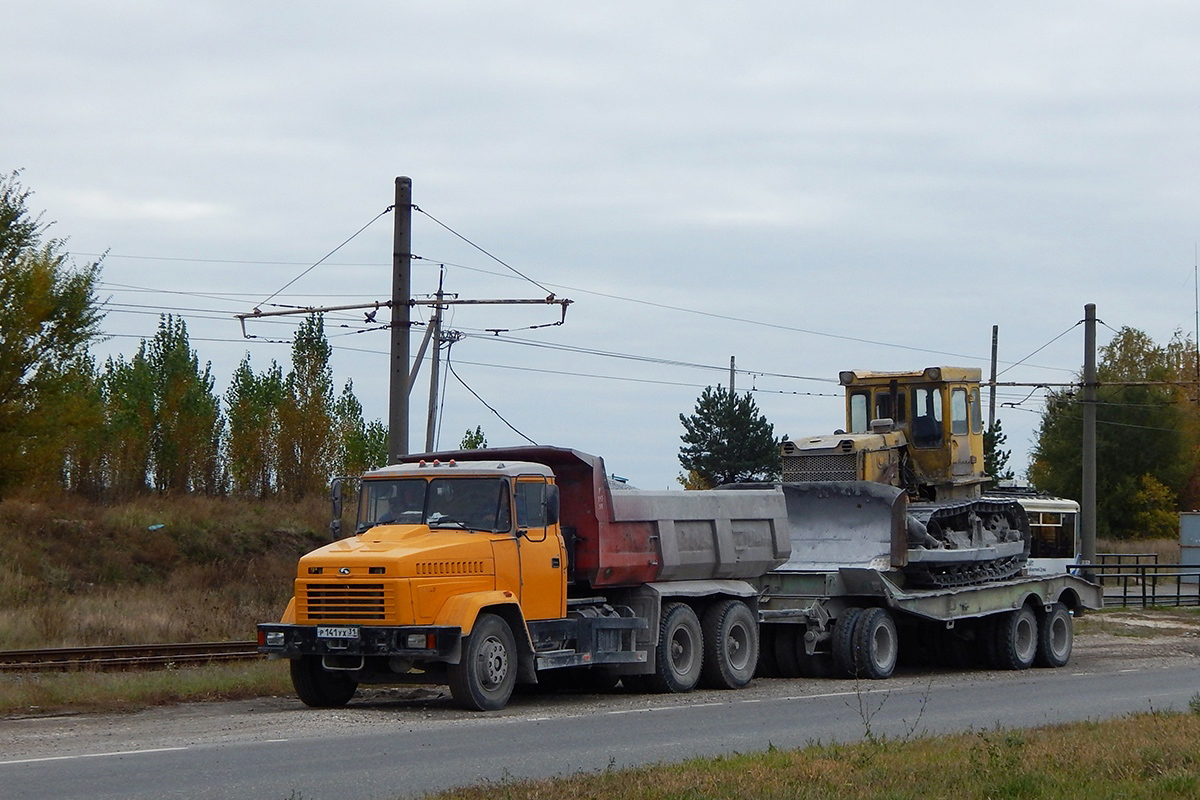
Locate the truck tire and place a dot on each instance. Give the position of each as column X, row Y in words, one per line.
column 680, row 651
column 1015, row 639
column 876, row 644
column 731, row 645
column 483, row 680
column 843, row 642
column 1056, row 636
column 318, row 687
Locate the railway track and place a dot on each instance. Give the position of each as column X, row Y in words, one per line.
column 125, row 657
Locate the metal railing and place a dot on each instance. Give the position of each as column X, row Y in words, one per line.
column 1140, row 579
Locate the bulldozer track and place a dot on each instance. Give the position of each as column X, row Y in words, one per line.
column 125, row 657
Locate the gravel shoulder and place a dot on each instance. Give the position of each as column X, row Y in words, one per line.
column 1105, row 643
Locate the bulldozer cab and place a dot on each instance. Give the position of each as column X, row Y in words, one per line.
column 939, row 413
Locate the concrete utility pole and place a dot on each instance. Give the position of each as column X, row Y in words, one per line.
column 434, row 371
column 731, row 374
column 401, row 321
column 992, row 388
column 1088, row 512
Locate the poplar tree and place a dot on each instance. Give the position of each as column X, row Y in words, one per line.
column 307, row 439
column 252, row 449
column 48, row 316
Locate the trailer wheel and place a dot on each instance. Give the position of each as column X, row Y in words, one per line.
column 875, row 644
column 730, row 645
column 843, row 641
column 1015, row 639
column 318, row 687
column 680, row 650
column 483, row 680
column 1056, row 636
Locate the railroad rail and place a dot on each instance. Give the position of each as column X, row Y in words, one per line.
column 125, row 657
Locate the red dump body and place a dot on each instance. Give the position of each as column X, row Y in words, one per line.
column 630, row 537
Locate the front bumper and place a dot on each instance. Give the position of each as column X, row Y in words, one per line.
column 414, row 642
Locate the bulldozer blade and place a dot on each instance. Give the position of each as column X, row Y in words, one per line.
column 836, row 524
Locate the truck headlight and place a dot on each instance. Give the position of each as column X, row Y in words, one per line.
column 274, row 639
column 419, row 641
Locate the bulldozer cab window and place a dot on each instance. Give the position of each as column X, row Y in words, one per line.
column 858, row 421
column 927, row 417
column 958, row 412
column 883, row 407
column 976, row 413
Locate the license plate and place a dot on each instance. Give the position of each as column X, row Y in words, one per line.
column 328, row 632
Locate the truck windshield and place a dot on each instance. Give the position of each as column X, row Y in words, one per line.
column 465, row 503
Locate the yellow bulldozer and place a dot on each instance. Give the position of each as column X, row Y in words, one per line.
column 913, row 445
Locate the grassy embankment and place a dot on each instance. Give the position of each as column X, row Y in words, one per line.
column 151, row 570
column 1150, row 756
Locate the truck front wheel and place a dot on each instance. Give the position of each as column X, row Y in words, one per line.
column 680, row 650
column 730, row 645
column 483, row 680
column 318, row 687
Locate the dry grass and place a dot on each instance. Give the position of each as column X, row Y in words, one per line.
column 1167, row 550
column 150, row 570
column 1145, row 756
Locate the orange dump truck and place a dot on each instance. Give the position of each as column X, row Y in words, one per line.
column 484, row 569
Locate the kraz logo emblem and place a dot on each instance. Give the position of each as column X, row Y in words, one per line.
column 344, row 571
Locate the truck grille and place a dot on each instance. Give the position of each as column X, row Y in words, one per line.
column 347, row 602
column 823, row 467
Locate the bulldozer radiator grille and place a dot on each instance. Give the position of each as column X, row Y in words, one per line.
column 826, row 467
column 345, row 602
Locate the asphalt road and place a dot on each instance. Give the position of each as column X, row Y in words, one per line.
column 394, row 745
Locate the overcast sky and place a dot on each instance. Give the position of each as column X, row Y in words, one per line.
column 806, row 187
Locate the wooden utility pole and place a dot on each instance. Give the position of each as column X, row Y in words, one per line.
column 401, row 321
column 1088, row 512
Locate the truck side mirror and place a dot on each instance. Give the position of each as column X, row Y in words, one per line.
column 335, row 502
column 552, row 504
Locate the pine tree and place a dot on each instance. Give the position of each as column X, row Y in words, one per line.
column 727, row 440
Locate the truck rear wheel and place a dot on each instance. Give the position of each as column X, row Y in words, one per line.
column 1056, row 636
column 318, row 687
column 843, row 641
column 1015, row 639
column 680, row 650
column 876, row 644
column 730, row 645
column 483, row 680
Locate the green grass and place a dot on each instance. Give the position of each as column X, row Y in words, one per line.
column 1151, row 756
column 23, row 694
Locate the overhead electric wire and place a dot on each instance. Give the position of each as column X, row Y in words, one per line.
column 327, row 255
column 450, row 366
column 1040, row 349
column 497, row 259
